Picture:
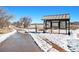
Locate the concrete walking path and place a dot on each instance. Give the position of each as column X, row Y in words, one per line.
column 19, row 42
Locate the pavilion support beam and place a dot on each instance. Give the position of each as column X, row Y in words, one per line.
column 51, row 26
column 66, row 26
column 69, row 27
column 44, row 27
column 59, row 26
column 36, row 28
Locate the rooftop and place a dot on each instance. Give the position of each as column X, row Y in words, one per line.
column 58, row 16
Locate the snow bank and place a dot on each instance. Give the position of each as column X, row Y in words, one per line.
column 73, row 45
column 30, row 30
column 69, row 43
column 4, row 36
column 57, row 31
column 75, row 34
column 73, row 42
column 59, row 39
column 41, row 43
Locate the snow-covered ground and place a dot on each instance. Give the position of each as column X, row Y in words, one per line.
column 69, row 43
column 41, row 43
column 57, row 31
column 73, row 42
column 55, row 38
column 73, row 45
column 30, row 30
column 5, row 36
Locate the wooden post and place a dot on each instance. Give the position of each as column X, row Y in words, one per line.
column 59, row 26
column 69, row 28
column 44, row 26
column 51, row 26
column 66, row 26
column 36, row 28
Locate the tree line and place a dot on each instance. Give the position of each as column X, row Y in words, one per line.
column 5, row 19
column 24, row 22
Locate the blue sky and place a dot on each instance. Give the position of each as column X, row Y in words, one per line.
column 36, row 12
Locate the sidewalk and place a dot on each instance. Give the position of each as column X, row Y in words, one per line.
column 19, row 42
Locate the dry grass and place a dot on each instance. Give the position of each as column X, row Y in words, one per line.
column 74, row 27
column 6, row 29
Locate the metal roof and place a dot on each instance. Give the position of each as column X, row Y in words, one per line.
column 58, row 16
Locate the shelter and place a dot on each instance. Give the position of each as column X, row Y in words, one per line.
column 63, row 21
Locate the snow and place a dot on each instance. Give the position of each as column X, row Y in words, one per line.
column 73, row 45
column 69, row 43
column 41, row 43
column 73, row 42
column 58, row 39
column 30, row 30
column 55, row 38
column 57, row 31
column 5, row 36
column 75, row 34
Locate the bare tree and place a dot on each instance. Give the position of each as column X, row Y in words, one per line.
column 25, row 21
column 4, row 18
column 17, row 24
